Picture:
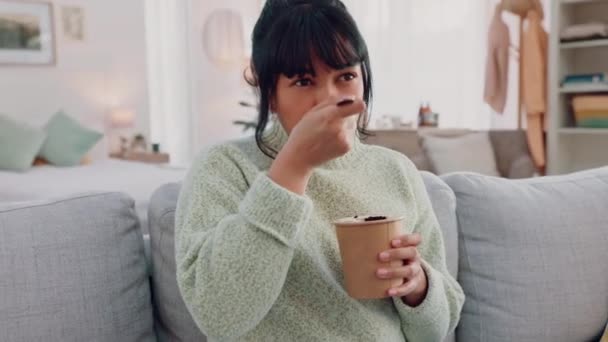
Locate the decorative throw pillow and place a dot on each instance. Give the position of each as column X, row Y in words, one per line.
column 19, row 144
column 67, row 141
column 470, row 152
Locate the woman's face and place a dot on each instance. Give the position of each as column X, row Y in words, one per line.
column 295, row 96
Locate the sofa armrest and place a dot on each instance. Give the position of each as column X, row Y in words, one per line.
column 522, row 167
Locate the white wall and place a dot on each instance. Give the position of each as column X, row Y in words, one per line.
column 435, row 51
column 425, row 51
column 107, row 69
column 216, row 91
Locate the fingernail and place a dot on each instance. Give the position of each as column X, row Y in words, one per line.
column 384, row 255
column 382, row 272
column 392, row 292
column 396, row 243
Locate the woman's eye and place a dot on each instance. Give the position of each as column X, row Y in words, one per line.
column 303, row 82
column 349, row 76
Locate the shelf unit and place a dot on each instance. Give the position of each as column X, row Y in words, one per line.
column 572, row 148
column 584, row 44
column 578, row 130
column 567, row 2
column 592, row 88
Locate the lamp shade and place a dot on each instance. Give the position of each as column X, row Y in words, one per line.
column 224, row 38
column 122, row 118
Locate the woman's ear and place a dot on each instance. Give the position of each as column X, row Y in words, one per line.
column 250, row 76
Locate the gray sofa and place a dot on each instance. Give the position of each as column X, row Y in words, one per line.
column 530, row 254
column 513, row 159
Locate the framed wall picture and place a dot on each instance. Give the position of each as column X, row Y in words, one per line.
column 72, row 19
column 27, row 34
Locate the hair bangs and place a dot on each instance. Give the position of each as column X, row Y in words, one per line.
column 315, row 34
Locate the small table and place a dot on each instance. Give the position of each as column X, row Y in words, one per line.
column 144, row 157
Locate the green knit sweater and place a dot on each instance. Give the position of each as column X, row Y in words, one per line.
column 256, row 262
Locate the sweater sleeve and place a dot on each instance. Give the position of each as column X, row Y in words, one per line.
column 234, row 244
column 439, row 312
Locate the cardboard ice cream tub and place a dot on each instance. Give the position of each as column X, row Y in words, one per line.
column 361, row 240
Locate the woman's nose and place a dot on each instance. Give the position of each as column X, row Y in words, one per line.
column 327, row 91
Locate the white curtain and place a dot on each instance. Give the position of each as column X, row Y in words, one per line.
column 427, row 50
column 171, row 119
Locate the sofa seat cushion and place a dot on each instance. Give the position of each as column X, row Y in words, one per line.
column 73, row 269
column 533, row 256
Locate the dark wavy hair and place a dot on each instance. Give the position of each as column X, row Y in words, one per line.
column 285, row 38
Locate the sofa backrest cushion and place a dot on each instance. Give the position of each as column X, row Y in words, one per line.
column 73, row 269
column 171, row 317
column 444, row 204
column 533, row 256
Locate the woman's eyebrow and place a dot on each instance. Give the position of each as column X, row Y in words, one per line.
column 308, row 74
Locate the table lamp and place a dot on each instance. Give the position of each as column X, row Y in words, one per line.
column 122, row 118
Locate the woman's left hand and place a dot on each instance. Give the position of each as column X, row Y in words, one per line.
column 413, row 290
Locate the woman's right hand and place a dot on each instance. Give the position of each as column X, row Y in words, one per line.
column 324, row 133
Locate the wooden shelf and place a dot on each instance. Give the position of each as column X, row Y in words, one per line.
column 591, row 88
column 585, row 44
column 143, row 157
column 568, row 2
column 579, row 130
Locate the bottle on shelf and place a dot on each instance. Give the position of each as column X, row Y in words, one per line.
column 426, row 117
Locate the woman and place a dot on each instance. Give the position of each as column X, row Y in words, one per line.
column 257, row 255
